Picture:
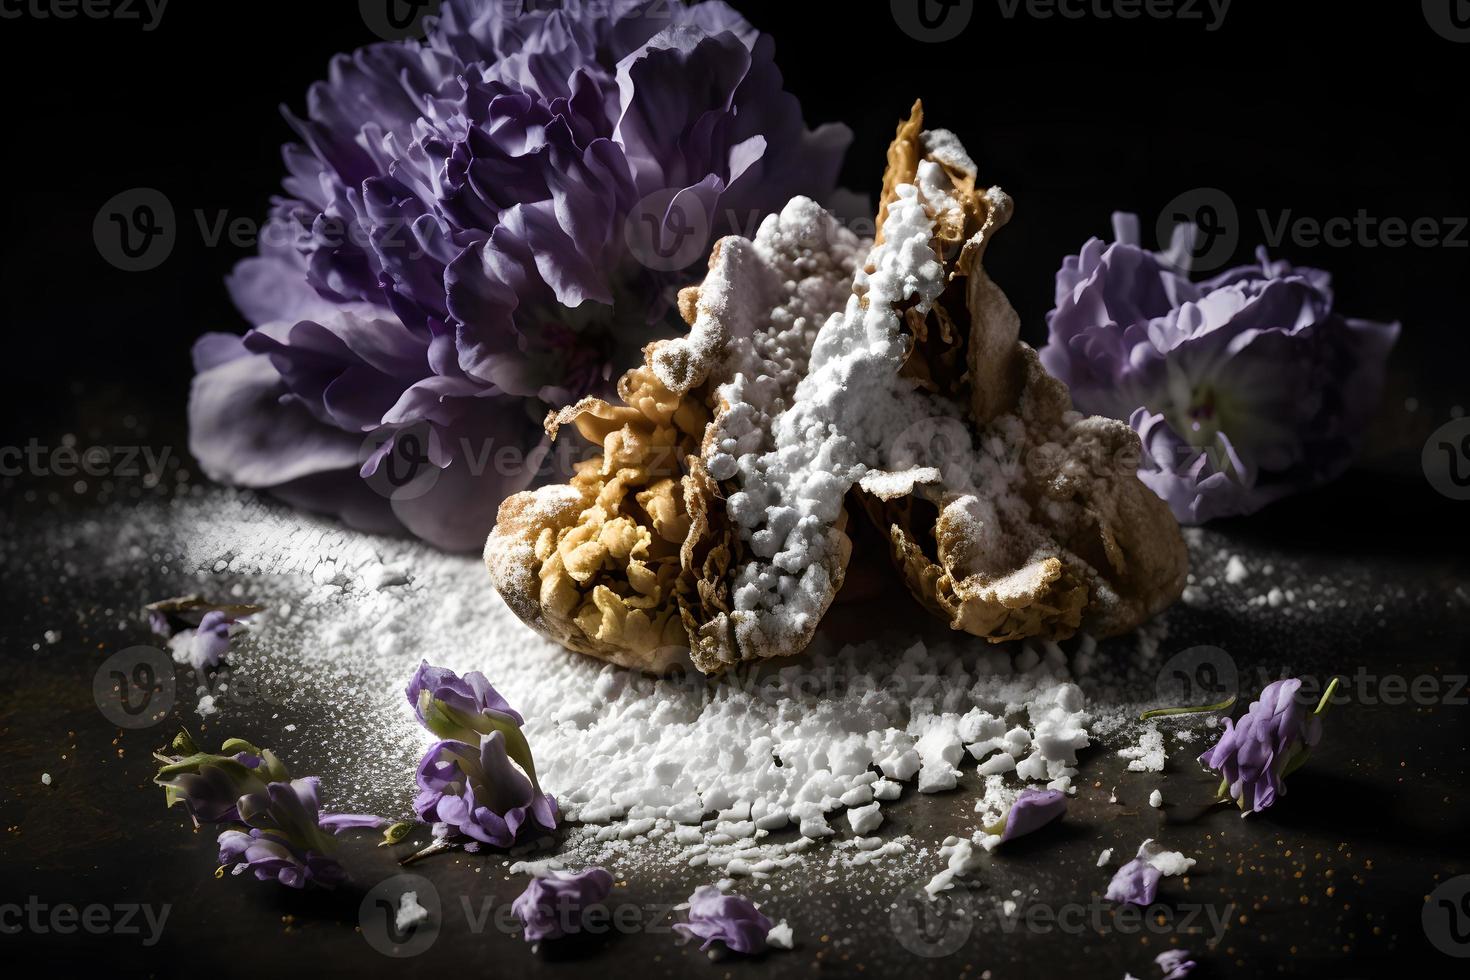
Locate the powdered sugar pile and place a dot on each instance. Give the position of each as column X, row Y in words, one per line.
column 691, row 770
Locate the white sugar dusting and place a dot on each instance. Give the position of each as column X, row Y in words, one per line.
column 746, row 776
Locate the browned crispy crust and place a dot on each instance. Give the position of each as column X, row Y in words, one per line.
column 1121, row 563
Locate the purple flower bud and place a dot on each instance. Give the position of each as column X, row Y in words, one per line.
column 1243, row 388
column 552, row 907
column 730, row 919
column 1272, row 739
column 442, row 698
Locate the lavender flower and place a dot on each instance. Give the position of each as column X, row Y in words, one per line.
column 285, row 840
column 1175, row 963
column 1033, row 809
column 210, row 784
column 730, row 919
column 478, row 784
column 459, row 248
column 552, row 907
column 1273, row 739
column 1244, row 388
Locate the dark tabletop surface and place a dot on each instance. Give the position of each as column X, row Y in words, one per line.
column 1332, row 881
column 1336, row 880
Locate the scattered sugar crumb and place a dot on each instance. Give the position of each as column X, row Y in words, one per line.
column 410, row 913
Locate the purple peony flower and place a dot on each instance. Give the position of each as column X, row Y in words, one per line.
column 211, row 641
column 285, row 840
column 477, row 229
column 475, row 794
column 1175, row 963
column 1033, row 809
column 1273, row 739
column 552, row 907
column 1244, row 388
column 730, row 919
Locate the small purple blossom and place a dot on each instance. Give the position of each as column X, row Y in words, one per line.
column 210, row 785
column 1175, row 963
column 552, row 907
column 477, row 795
column 478, row 784
column 211, row 641
column 729, row 919
column 1271, row 740
column 285, row 840
column 1243, row 388
column 449, row 705
column 460, row 248
column 1033, row 809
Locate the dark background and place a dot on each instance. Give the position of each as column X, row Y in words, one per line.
column 1320, row 107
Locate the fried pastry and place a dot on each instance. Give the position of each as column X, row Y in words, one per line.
column 635, row 560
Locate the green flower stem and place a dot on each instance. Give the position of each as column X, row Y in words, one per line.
column 1202, row 709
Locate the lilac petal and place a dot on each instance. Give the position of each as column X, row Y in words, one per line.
column 1136, row 883
column 1033, row 810
column 552, row 907
column 1175, row 963
column 729, row 919
column 338, row 822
